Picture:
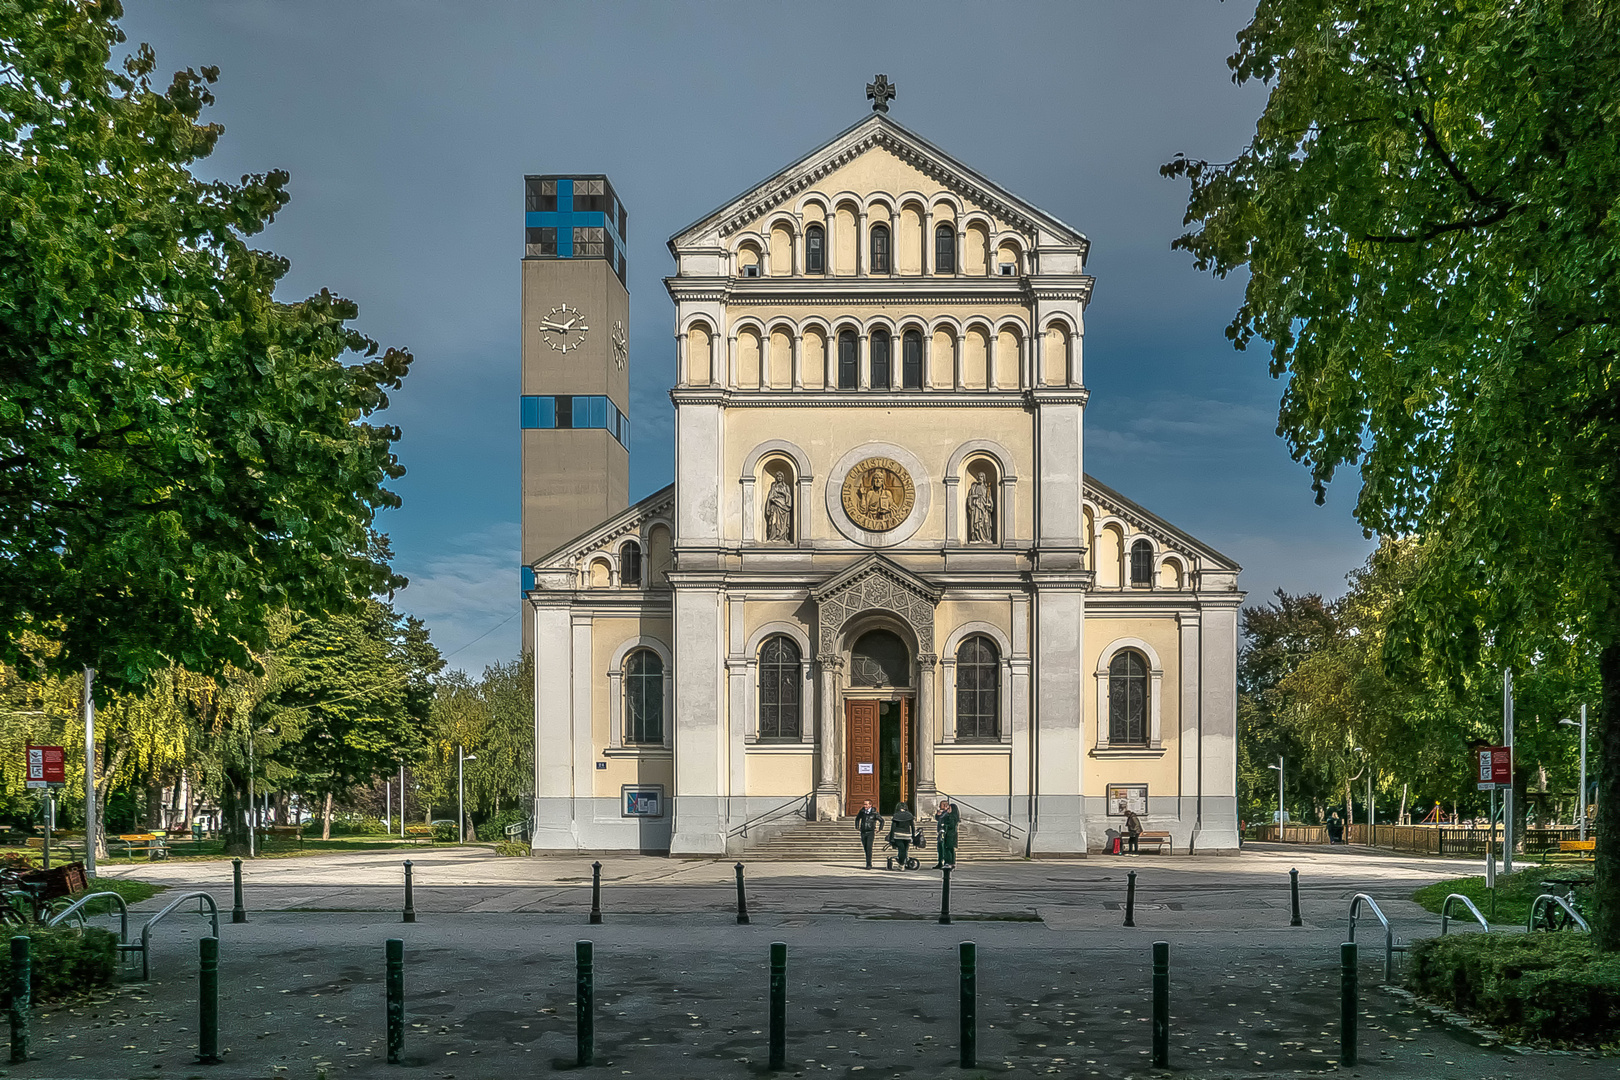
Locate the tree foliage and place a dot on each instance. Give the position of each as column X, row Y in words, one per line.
column 1427, row 214
column 181, row 456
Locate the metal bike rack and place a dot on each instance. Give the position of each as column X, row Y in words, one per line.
column 1445, row 913
column 73, row 909
column 1390, row 948
column 146, row 931
column 1535, row 909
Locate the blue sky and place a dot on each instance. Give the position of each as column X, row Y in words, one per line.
column 408, row 128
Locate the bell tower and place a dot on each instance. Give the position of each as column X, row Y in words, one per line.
column 576, row 363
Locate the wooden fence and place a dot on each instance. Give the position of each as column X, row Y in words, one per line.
column 1425, row 839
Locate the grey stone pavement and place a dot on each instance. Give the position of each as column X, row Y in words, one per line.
column 681, row 989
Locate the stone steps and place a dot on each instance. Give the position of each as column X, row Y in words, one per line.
column 837, row 841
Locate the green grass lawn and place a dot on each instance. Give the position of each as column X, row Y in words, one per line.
column 1514, row 892
column 133, row 892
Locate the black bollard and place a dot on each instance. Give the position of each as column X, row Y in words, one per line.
column 1130, row 898
column 394, row 950
column 742, row 899
column 1161, row 1004
column 584, row 1005
column 21, row 998
column 410, row 895
column 945, row 897
column 1347, row 1003
column 596, row 893
column 778, row 1004
column 238, row 912
column 1293, row 888
column 968, row 1007
column 208, row 1001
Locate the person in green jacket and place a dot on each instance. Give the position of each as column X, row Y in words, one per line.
column 947, row 817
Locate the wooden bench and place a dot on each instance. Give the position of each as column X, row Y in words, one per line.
column 419, row 834
column 283, row 832
column 1577, row 845
column 155, row 845
column 1159, row 840
column 37, row 843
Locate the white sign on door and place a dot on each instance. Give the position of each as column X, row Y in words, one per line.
column 863, row 768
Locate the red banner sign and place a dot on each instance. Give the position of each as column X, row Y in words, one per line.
column 45, row 765
column 1495, row 766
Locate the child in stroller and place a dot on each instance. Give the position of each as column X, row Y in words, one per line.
column 902, row 834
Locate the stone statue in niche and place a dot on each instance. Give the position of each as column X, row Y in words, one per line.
column 981, row 512
column 779, row 511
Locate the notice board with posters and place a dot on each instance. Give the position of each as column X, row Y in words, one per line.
column 1123, row 797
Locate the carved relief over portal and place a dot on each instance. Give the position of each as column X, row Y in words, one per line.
column 878, row 494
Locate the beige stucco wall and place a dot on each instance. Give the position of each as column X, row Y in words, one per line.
column 653, row 766
column 1161, row 773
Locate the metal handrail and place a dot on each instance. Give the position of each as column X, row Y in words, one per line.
column 146, row 931
column 760, row 819
column 1445, row 912
column 1007, row 832
column 1390, row 948
column 1535, row 906
column 123, row 913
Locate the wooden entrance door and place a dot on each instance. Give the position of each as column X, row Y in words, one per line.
column 861, row 756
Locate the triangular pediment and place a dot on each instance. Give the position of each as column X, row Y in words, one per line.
column 876, row 134
column 1146, row 521
column 874, row 584
column 660, row 504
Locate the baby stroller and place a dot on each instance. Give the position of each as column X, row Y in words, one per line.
column 902, row 844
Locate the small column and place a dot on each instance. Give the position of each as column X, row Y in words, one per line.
column 961, row 250
column 947, row 665
column 928, row 359
column 860, row 243
column 682, row 377
column 927, row 238
column 927, row 725
column 863, row 361
column 798, row 361
column 827, row 808
column 731, row 361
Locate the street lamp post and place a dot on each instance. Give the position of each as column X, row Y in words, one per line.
column 1582, row 725
column 1279, row 768
column 89, row 773
column 402, row 800
column 461, row 792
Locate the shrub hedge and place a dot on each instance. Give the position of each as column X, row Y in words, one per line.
column 65, row 962
column 1552, row 987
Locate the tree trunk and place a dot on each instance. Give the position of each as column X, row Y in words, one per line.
column 1349, row 810
column 109, row 769
column 1400, row 818
column 233, row 822
column 326, row 818
column 1606, row 891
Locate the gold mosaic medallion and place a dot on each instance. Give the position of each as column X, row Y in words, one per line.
column 878, row 494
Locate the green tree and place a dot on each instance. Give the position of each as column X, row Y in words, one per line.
column 494, row 719
column 1427, row 214
column 348, row 699
column 181, row 456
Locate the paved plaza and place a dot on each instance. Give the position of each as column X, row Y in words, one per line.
column 872, row 991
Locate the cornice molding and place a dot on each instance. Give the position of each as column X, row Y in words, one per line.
column 855, row 399
column 989, row 288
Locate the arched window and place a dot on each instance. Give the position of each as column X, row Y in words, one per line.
column 1141, row 564
column 880, row 360
column 780, row 680
column 945, row 249
column 849, row 361
column 880, row 658
column 630, row 565
column 815, row 250
column 978, row 690
column 880, row 249
column 643, row 697
column 911, row 361
column 1128, row 698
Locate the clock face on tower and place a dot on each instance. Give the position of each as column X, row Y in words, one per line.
column 564, row 328
column 621, row 345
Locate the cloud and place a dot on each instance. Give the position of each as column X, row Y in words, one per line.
column 467, row 593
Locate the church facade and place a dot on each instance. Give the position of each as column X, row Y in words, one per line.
column 881, row 571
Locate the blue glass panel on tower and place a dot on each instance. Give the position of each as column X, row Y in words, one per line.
column 569, row 217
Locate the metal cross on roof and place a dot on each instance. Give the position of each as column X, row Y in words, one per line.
column 879, row 92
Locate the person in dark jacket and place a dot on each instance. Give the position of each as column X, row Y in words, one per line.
column 901, row 827
column 1133, row 829
column 948, row 817
column 868, row 821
